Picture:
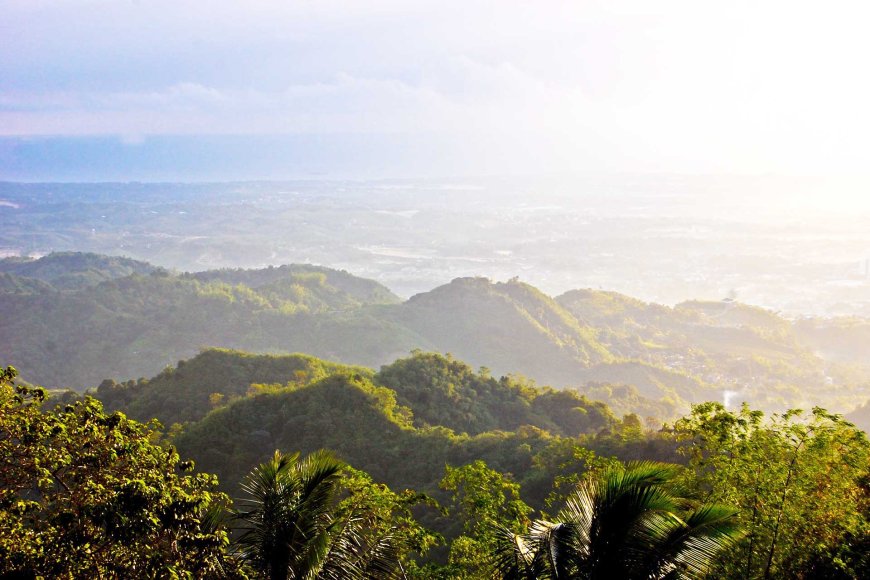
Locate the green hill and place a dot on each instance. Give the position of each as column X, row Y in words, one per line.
column 12, row 284
column 213, row 378
column 337, row 286
column 598, row 307
column 343, row 412
column 507, row 327
column 401, row 424
column 700, row 350
column 440, row 390
column 137, row 324
column 74, row 270
column 652, row 381
column 444, row 391
column 361, row 422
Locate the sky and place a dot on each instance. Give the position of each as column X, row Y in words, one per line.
column 108, row 89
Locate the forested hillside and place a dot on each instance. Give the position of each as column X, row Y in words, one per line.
column 470, row 290
column 509, row 327
column 213, row 378
column 72, row 320
column 74, row 270
column 230, row 410
column 444, row 391
column 134, row 326
column 446, row 464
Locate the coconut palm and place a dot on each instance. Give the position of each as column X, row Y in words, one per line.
column 627, row 524
column 291, row 530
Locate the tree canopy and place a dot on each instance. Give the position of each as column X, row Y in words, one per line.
column 89, row 494
column 794, row 477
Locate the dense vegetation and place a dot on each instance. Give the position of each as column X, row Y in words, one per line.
column 400, row 424
column 800, row 482
column 72, row 320
column 626, row 523
column 434, row 468
column 135, row 325
column 213, row 378
column 517, row 470
column 87, row 494
column 445, row 391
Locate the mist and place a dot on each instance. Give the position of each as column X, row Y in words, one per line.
column 763, row 240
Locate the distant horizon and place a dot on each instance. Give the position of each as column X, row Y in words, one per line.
column 203, row 159
column 776, row 196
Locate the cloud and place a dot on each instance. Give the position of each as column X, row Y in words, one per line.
column 466, row 96
column 633, row 85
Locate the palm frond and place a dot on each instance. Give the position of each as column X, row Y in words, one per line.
column 709, row 530
column 514, row 556
column 626, row 523
column 287, row 514
column 556, row 547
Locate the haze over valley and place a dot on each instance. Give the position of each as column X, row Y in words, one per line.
column 665, row 239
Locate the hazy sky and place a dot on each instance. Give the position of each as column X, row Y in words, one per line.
column 447, row 87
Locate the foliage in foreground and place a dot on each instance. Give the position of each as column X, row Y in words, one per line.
column 483, row 500
column 624, row 523
column 801, row 484
column 295, row 527
column 84, row 494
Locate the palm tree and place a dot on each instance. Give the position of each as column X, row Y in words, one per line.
column 291, row 530
column 624, row 524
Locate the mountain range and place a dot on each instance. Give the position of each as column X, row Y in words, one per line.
column 73, row 320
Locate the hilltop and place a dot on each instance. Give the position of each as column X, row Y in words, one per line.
column 74, row 270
